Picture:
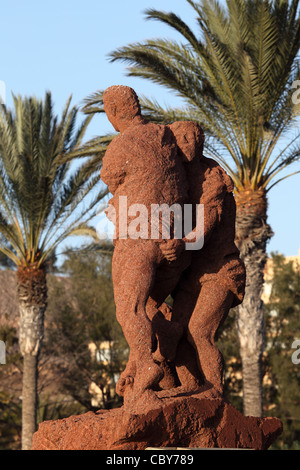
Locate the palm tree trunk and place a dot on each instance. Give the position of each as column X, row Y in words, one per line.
column 32, row 296
column 252, row 234
column 29, row 399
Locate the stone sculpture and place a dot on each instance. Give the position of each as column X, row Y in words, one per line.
column 154, row 164
column 172, row 384
column 215, row 279
column 142, row 164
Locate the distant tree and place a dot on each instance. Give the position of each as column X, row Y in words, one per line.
column 82, row 333
column 43, row 200
column 227, row 342
column 50, row 405
column 10, row 390
column 282, row 388
column 5, row 261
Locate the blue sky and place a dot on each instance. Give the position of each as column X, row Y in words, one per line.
column 63, row 46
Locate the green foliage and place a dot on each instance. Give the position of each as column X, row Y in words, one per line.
column 5, row 262
column 10, row 403
column 282, row 388
column 281, row 376
column 235, row 77
column 41, row 192
column 10, row 419
column 227, row 343
column 81, row 313
column 83, row 333
column 53, row 408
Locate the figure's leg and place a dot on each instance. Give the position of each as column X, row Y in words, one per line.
column 187, row 368
column 127, row 377
column 168, row 333
column 210, row 312
column 186, row 363
column 133, row 270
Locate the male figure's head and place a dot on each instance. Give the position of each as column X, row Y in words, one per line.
column 189, row 138
column 121, row 106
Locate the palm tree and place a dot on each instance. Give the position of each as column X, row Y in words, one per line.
column 41, row 203
column 236, row 79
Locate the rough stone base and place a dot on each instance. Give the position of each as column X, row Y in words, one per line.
column 180, row 421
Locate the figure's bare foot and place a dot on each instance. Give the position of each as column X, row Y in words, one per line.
column 148, row 376
column 126, row 379
column 123, row 382
column 141, row 394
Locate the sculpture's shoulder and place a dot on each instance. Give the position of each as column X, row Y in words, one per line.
column 151, row 146
column 113, row 165
column 114, row 146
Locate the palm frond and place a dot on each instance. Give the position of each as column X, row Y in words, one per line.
column 235, row 78
column 93, row 103
column 174, row 21
column 42, row 197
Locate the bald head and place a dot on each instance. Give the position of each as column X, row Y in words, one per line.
column 121, row 106
column 190, row 139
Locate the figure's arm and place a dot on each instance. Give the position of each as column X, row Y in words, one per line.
column 214, row 190
column 211, row 219
column 114, row 168
column 110, row 212
column 216, row 185
column 173, row 248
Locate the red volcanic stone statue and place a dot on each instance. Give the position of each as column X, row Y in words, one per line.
column 173, row 382
column 142, row 167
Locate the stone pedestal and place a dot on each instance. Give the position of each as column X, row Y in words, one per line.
column 185, row 421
